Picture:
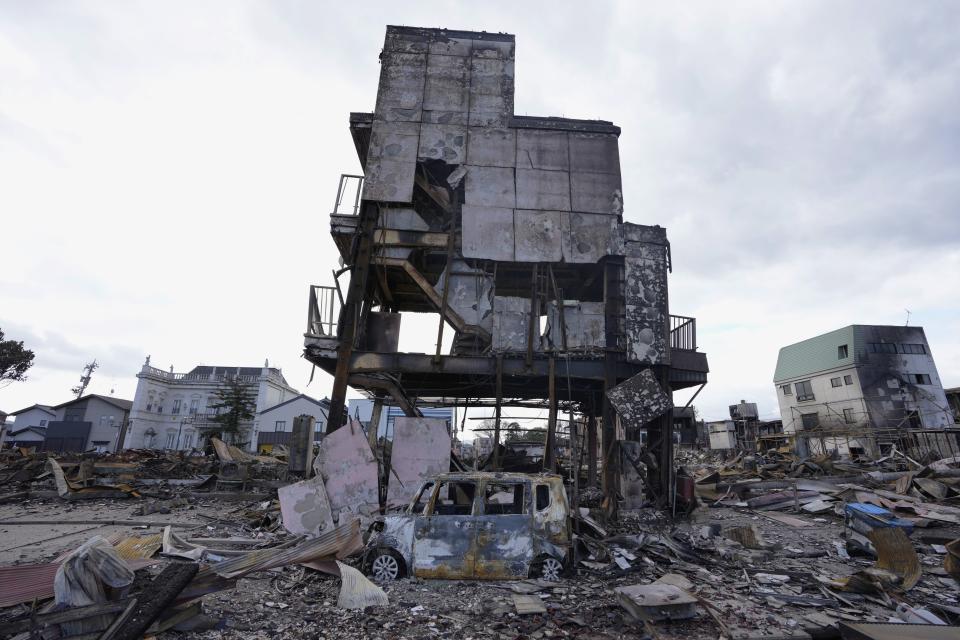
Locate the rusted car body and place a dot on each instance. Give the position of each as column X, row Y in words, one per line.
column 479, row 525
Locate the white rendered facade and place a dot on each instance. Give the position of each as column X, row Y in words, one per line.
column 173, row 410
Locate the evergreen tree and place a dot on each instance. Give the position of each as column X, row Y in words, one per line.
column 235, row 404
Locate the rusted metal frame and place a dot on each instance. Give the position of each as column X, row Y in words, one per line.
column 394, row 389
column 496, row 426
column 591, row 448
column 446, row 288
column 452, row 316
column 374, row 428
column 350, row 312
column 613, row 297
column 532, row 325
column 560, row 308
column 403, row 238
column 667, row 473
column 550, row 447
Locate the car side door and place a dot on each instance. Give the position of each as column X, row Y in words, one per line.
column 504, row 530
column 444, row 535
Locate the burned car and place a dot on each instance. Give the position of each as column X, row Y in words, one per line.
column 477, row 525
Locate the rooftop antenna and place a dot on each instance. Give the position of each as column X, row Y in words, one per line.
column 85, row 378
column 908, row 318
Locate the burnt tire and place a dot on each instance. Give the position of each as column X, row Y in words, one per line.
column 547, row 568
column 387, row 565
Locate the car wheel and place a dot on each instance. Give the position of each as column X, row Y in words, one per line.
column 386, row 565
column 548, row 568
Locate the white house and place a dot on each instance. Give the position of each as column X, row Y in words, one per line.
column 29, row 424
column 38, row 415
column 175, row 410
column 276, row 422
column 859, row 388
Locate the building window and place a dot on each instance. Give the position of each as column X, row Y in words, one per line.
column 918, row 378
column 171, row 440
column 847, row 379
column 835, row 382
column 804, row 391
column 786, row 390
column 882, row 347
column 915, row 349
column 159, row 409
column 281, row 425
column 194, row 406
column 188, row 441
column 810, row 420
column 842, row 352
column 176, row 407
column 848, row 416
column 149, row 407
column 43, row 423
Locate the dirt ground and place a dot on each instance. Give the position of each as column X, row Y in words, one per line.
column 294, row 602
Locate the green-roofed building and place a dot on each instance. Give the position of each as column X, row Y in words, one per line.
column 859, row 389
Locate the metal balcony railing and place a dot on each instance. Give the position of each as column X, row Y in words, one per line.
column 323, row 312
column 683, row 333
column 348, row 195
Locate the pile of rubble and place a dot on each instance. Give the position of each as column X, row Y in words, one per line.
column 777, row 548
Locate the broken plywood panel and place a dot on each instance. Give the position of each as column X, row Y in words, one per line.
column 349, row 471
column 421, row 449
column 305, row 507
column 639, row 399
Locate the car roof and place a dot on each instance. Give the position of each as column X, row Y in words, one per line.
column 499, row 476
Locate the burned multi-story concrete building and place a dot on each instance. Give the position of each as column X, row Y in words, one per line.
column 511, row 230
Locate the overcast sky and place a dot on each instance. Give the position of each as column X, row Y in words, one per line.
column 167, row 168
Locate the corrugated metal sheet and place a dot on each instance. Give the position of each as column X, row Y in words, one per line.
column 341, row 542
column 26, row 582
column 136, row 547
column 23, row 583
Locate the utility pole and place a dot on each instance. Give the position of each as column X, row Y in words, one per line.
column 85, row 378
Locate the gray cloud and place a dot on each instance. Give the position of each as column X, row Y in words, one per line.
column 172, row 170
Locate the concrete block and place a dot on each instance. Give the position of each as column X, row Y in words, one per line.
column 494, row 49
column 400, row 95
column 447, row 87
column 443, row 142
column 439, row 116
column 594, row 153
column 596, row 193
column 389, row 181
column 543, row 150
column 510, row 323
column 491, row 187
column 487, row 232
column 538, row 236
column 539, row 189
column 591, row 236
column 491, row 147
column 451, row 47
